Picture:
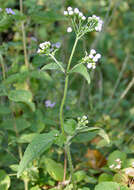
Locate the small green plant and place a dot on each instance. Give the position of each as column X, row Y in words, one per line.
column 69, row 127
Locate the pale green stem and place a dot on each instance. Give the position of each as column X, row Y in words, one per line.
column 66, row 87
column 24, row 37
column 3, row 67
column 27, row 65
column 57, row 62
column 67, row 148
column 71, row 166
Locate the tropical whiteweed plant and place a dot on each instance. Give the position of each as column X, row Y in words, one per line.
column 70, row 128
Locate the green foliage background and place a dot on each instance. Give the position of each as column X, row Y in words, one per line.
column 108, row 101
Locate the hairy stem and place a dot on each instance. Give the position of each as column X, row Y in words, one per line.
column 57, row 62
column 67, row 149
column 71, row 166
column 24, row 37
column 3, row 67
column 66, row 87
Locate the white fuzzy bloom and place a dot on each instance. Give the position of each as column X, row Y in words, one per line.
column 111, row 166
column 129, row 171
column 118, row 160
column 84, row 117
column 83, row 18
column 39, row 51
column 70, row 12
column 44, row 44
column 95, row 59
column 98, row 28
column 92, row 51
column 89, row 65
column 76, row 11
column 94, row 16
column 93, row 65
column 91, row 56
column 133, row 164
column 98, row 55
column 118, row 166
column 69, row 8
column 65, row 13
column 69, row 29
column 80, row 14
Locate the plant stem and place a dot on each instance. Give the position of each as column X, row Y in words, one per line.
column 24, row 37
column 3, row 67
column 66, row 87
column 71, row 56
column 70, row 166
column 57, row 62
column 67, row 148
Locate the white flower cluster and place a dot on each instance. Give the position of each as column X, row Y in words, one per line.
column 116, row 166
column 82, row 121
column 132, row 164
column 44, row 47
column 91, row 59
column 70, row 12
column 129, row 171
column 98, row 28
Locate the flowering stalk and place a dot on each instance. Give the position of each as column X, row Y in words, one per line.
column 66, row 86
column 81, row 26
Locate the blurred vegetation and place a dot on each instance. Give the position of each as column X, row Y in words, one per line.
column 108, row 101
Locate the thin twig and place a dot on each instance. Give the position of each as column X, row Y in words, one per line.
column 24, row 36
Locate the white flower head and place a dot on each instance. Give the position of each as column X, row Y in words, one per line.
column 44, row 47
column 98, row 55
column 118, row 166
column 84, row 117
column 89, row 65
column 69, row 29
column 118, row 160
column 95, row 59
column 70, row 12
column 99, row 25
column 76, row 11
column 83, row 18
column 65, row 13
column 93, row 65
column 111, row 166
column 133, row 164
column 80, row 14
column 69, row 9
column 90, row 56
column 92, row 51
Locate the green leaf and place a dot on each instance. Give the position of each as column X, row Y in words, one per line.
column 81, row 69
column 40, row 143
column 35, row 188
column 20, row 95
column 70, row 126
column 120, row 178
column 80, row 175
column 54, row 169
column 105, row 177
column 100, row 132
column 115, row 155
column 104, row 135
column 107, row 186
column 85, row 137
column 53, row 66
column 26, row 138
column 4, row 110
column 24, row 96
column 4, row 180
